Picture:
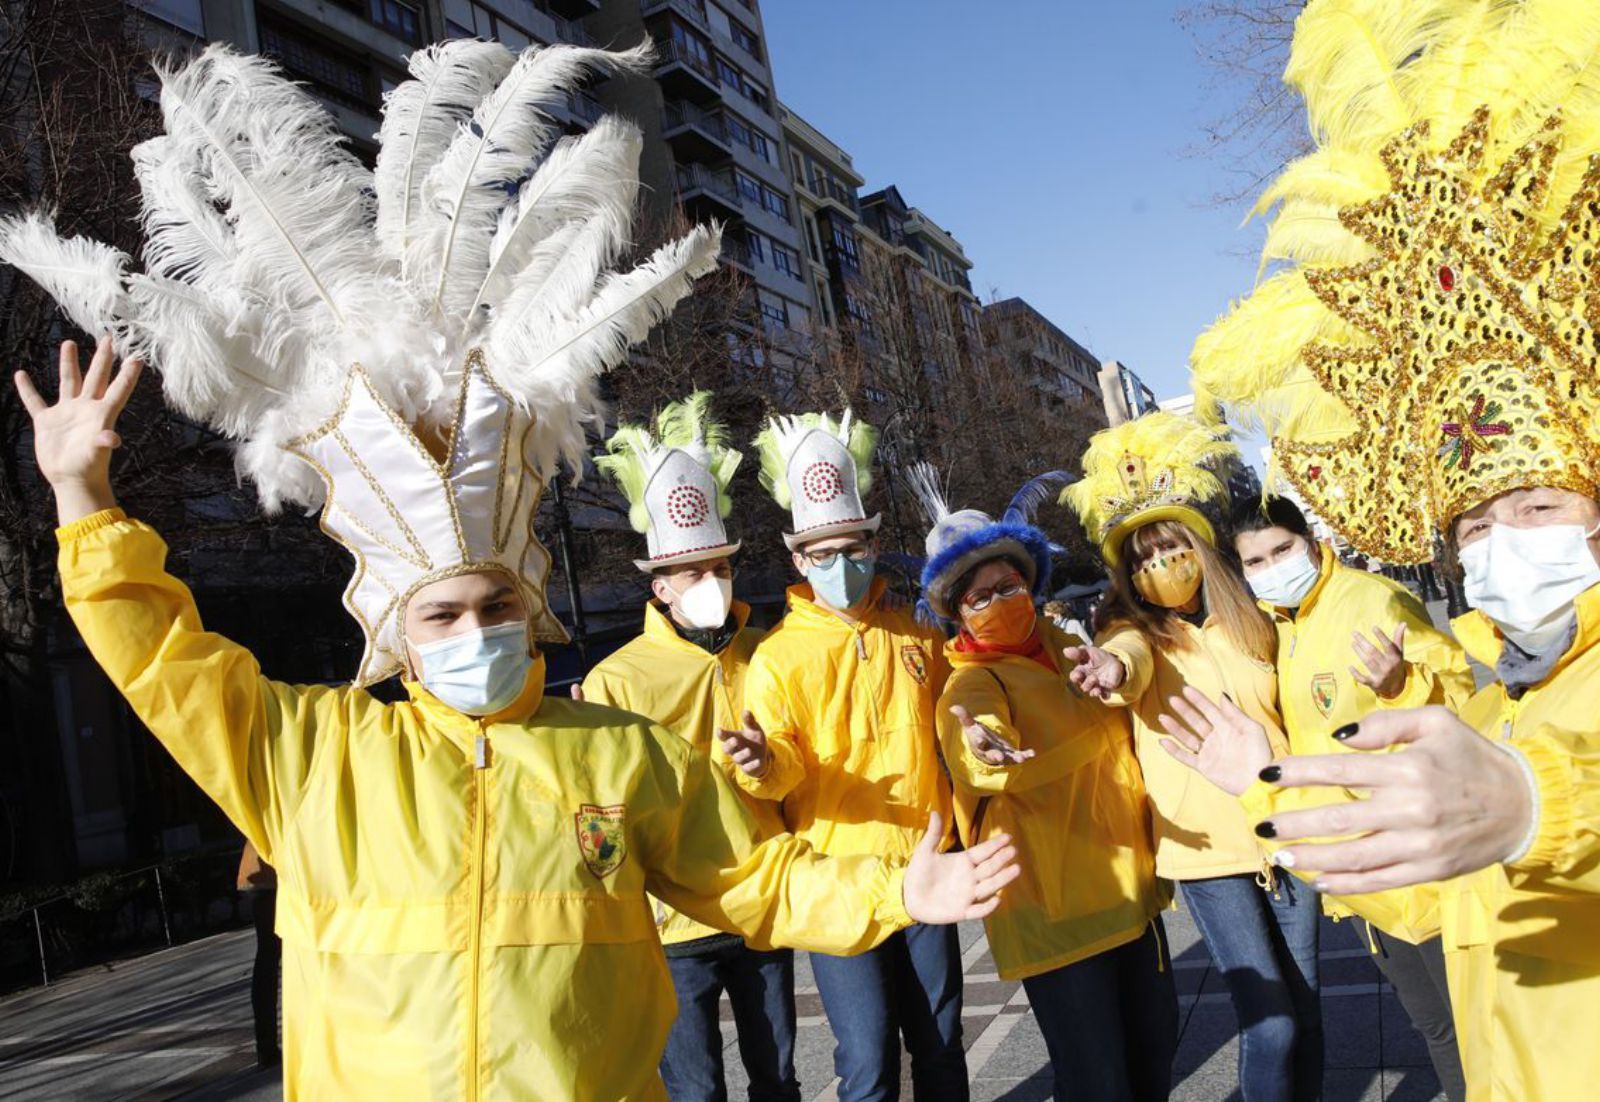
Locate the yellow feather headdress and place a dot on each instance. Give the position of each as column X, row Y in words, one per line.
column 1158, row 467
column 1431, row 339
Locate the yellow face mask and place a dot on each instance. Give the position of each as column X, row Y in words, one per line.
column 1170, row 579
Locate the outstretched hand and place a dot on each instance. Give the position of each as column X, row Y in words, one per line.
column 748, row 748
column 957, row 887
column 1216, row 740
column 1097, row 672
column 1384, row 659
column 74, row 438
column 985, row 745
column 1448, row 802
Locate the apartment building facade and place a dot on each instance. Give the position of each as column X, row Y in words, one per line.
column 1064, row 372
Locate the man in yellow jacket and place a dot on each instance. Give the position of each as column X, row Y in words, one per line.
column 841, row 699
column 686, row 672
column 461, row 892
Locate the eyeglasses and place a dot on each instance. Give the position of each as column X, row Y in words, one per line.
column 823, row 560
column 1008, row 587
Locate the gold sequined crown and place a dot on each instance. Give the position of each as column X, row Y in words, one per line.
column 1453, row 321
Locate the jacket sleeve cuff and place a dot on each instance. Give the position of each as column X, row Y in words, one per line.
column 1258, row 801
column 891, row 911
column 91, row 523
column 1544, row 768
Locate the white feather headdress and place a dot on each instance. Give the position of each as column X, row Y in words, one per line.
column 456, row 306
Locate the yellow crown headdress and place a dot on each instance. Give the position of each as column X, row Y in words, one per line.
column 1158, row 467
column 1435, row 342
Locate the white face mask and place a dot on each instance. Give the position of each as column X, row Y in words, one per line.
column 705, row 604
column 477, row 672
column 1525, row 580
column 1285, row 584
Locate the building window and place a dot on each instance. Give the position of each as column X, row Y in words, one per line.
column 758, row 247
column 786, row 260
column 692, row 44
column 747, row 135
column 749, row 186
column 844, row 245
column 399, row 19
column 744, row 38
column 338, row 77
column 812, row 240
column 773, row 309
column 733, row 77
column 799, row 165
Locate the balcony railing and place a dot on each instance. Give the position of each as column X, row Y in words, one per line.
column 571, row 31
column 700, row 178
column 736, row 252
column 678, row 114
column 669, row 51
column 695, row 13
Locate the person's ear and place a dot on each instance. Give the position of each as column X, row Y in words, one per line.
column 659, row 588
column 799, row 561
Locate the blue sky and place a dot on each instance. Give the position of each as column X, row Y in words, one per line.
column 1057, row 139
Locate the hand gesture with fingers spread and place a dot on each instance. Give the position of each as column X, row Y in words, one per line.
column 985, row 745
column 1448, row 803
column 74, row 438
column 1098, row 673
column 1216, row 740
column 957, row 887
column 748, row 748
column 1385, row 660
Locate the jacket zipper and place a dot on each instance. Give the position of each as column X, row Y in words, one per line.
column 480, row 827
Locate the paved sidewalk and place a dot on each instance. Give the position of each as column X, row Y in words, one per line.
column 176, row 1025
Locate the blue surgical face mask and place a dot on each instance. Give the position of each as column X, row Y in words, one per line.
column 477, row 672
column 842, row 585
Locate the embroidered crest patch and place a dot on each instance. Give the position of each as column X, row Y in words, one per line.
column 1324, row 693
column 916, row 662
column 600, row 838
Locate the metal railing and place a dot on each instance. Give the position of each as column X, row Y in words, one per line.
column 584, row 106
column 695, row 13
column 669, row 51
column 677, row 114
column 111, row 914
column 700, row 178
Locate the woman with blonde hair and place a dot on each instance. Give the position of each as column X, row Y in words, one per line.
column 1178, row 614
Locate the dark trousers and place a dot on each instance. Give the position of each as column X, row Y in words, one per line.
column 910, row 986
column 760, row 988
column 1265, row 945
column 1110, row 1022
column 264, row 976
column 1417, row 974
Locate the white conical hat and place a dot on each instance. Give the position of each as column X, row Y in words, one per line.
column 819, row 470
column 412, row 349
column 676, row 482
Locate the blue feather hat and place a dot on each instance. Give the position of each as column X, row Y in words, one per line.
column 963, row 539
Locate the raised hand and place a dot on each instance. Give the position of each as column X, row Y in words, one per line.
column 1216, row 740
column 957, row 887
column 74, row 438
column 1385, row 661
column 985, row 745
column 1098, row 673
column 1448, row 803
column 747, row 748
column 577, row 692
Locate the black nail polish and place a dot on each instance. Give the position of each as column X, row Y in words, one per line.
column 1347, row 731
column 1271, row 774
column 1266, row 830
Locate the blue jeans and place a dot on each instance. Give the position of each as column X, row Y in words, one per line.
column 1265, row 945
column 1111, row 1022
column 760, row 988
column 911, row 986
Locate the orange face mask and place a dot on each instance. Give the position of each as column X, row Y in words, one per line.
column 1006, row 622
column 1170, row 579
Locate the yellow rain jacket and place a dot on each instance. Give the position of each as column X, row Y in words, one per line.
column 1076, row 810
column 692, row 693
column 1200, row 830
column 1317, row 696
column 848, row 713
column 1522, row 942
column 462, row 901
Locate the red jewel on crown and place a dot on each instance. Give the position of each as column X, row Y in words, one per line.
column 1447, row 278
column 1313, row 473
